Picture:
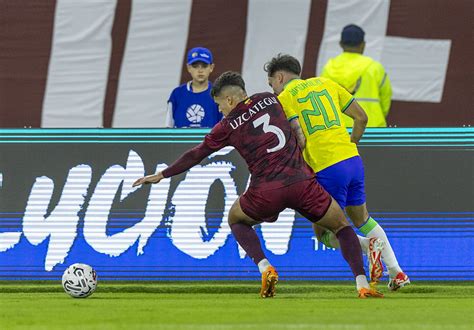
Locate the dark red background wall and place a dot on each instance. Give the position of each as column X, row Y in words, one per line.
column 26, row 29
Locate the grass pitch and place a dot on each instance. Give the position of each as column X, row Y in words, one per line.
column 225, row 306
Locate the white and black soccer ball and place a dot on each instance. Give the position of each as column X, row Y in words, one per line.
column 79, row 280
column 195, row 113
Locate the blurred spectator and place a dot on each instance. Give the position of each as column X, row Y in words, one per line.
column 191, row 104
column 362, row 76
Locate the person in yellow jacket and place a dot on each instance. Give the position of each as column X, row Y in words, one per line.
column 361, row 76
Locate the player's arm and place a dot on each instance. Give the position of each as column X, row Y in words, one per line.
column 286, row 104
column 215, row 140
column 187, row 160
column 359, row 116
column 296, row 128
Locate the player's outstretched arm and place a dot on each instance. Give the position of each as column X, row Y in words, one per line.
column 187, row 160
column 154, row 178
column 360, row 120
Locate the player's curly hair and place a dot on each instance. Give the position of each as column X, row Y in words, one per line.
column 282, row 62
column 228, row 78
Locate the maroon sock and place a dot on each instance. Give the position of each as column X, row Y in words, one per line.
column 248, row 240
column 351, row 251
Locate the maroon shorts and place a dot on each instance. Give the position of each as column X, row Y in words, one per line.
column 306, row 197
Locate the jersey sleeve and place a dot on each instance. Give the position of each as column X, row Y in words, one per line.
column 215, row 140
column 286, row 103
column 345, row 98
column 187, row 160
column 169, row 115
column 172, row 98
column 218, row 137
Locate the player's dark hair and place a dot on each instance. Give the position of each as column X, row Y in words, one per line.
column 282, row 62
column 229, row 78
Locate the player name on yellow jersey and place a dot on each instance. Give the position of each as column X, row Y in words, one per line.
column 304, row 84
column 318, row 103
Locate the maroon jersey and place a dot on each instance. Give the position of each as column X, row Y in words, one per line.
column 260, row 132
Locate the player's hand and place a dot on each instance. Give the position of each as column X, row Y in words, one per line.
column 154, row 178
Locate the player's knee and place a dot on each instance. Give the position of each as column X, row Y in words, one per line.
column 334, row 218
column 232, row 218
column 339, row 222
column 236, row 214
column 342, row 221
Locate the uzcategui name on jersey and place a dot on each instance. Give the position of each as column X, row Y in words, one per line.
column 260, row 105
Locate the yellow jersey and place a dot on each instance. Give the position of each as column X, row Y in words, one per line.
column 319, row 103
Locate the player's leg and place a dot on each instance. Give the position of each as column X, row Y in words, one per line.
column 242, row 228
column 372, row 247
column 369, row 227
column 314, row 203
column 330, row 240
column 335, row 221
column 356, row 209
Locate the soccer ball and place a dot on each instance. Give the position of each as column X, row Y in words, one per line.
column 79, row 280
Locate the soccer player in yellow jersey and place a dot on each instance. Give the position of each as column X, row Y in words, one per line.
column 314, row 108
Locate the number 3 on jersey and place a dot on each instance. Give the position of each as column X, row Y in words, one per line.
column 267, row 128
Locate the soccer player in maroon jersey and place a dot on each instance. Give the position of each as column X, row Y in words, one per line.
column 257, row 127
